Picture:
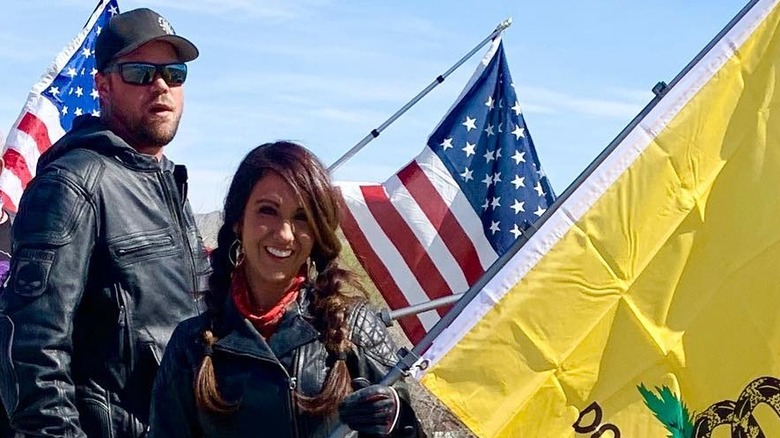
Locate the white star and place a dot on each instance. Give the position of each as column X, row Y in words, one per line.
column 447, row 144
column 519, row 157
column 112, row 10
column 94, row 93
column 470, row 123
column 71, row 72
column 539, row 211
column 539, row 189
column 517, row 108
column 485, row 205
column 498, row 154
column 93, row 72
column 488, row 180
column 54, row 91
column 494, row 227
column 495, row 204
column 78, row 112
column 489, row 156
column 79, row 91
column 519, row 181
column 86, row 52
column 518, row 132
column 99, row 29
column 500, row 103
column 496, row 177
column 64, row 110
column 516, row 231
column 489, row 102
column 499, row 127
column 518, row 206
column 96, row 113
column 489, row 130
column 467, row 175
column 469, row 149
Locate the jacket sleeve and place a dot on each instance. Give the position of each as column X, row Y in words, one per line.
column 173, row 413
column 54, row 234
column 377, row 354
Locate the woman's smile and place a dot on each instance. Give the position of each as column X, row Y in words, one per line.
column 276, row 236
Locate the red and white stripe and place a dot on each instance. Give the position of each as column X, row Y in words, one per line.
column 38, row 125
column 36, row 129
column 417, row 236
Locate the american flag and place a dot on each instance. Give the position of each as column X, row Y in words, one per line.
column 432, row 229
column 65, row 91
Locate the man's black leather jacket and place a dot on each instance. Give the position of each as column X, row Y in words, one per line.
column 107, row 261
column 261, row 376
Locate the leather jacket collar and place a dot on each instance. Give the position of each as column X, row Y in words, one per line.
column 242, row 338
column 89, row 132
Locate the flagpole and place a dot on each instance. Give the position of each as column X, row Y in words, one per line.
column 388, row 316
column 439, row 79
column 99, row 4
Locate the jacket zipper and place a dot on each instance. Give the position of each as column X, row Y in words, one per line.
column 126, row 325
column 291, row 393
column 292, row 382
column 156, row 242
column 177, row 214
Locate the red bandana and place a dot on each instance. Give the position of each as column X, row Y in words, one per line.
column 265, row 320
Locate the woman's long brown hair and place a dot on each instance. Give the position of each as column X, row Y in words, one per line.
column 308, row 177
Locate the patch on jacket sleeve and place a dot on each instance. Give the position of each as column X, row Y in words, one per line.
column 30, row 271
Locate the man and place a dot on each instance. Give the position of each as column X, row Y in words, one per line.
column 107, row 258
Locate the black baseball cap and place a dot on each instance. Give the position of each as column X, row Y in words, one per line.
column 132, row 29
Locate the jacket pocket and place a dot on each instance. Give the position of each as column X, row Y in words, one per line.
column 123, row 353
column 138, row 247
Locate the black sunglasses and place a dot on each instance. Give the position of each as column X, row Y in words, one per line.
column 143, row 73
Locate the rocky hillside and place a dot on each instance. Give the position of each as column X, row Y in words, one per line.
column 209, row 224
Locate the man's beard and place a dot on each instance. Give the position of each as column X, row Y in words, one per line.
column 155, row 134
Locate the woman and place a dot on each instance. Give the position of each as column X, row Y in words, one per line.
column 283, row 350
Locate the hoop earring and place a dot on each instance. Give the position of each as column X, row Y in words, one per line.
column 311, row 271
column 236, row 253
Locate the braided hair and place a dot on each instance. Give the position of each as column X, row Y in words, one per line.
column 330, row 299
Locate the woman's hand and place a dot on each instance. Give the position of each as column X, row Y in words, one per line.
column 371, row 409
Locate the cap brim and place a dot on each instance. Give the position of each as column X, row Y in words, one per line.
column 185, row 50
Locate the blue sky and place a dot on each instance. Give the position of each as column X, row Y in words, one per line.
column 327, row 72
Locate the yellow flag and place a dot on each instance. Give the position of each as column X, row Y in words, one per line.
column 648, row 303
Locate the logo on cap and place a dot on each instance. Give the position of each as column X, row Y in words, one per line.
column 166, row 27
